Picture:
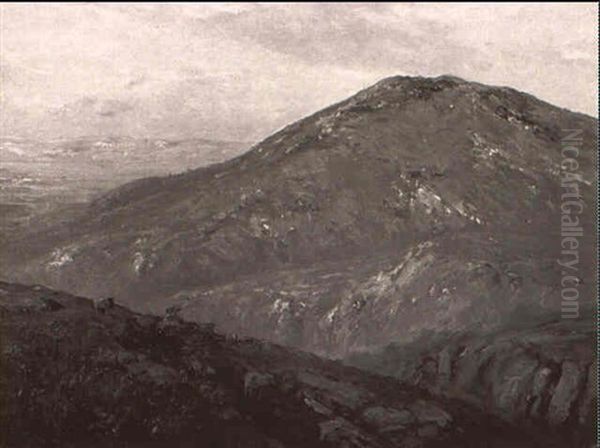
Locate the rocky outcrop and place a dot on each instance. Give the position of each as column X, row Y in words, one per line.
column 542, row 377
column 566, row 393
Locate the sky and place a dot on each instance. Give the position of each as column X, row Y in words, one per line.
column 242, row 71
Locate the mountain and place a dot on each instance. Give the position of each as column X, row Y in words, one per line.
column 417, row 204
column 79, row 374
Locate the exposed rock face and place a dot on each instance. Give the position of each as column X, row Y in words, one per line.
column 386, row 419
column 539, row 377
column 416, row 204
column 74, row 377
column 565, row 393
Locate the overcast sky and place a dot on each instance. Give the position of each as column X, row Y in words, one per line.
column 240, row 71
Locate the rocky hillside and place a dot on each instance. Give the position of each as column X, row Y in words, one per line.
column 416, row 204
column 535, row 375
column 77, row 374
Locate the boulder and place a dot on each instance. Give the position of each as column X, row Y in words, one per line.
column 386, row 419
column 565, row 393
column 103, row 305
column 254, row 382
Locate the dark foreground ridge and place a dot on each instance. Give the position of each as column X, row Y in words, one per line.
column 75, row 374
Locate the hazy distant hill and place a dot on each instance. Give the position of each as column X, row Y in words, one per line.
column 38, row 176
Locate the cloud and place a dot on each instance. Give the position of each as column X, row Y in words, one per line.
column 240, row 71
column 138, row 81
column 355, row 36
column 113, row 108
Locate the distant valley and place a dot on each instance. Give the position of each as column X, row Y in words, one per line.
column 41, row 176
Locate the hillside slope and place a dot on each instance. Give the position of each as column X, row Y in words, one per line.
column 77, row 375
